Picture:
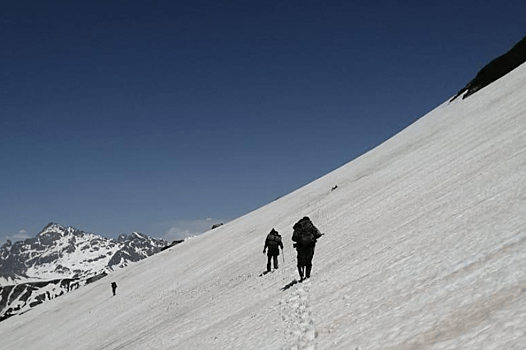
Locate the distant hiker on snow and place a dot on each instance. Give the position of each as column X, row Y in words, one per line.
column 114, row 288
column 273, row 243
column 305, row 235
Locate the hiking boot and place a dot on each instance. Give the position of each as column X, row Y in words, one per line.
column 300, row 271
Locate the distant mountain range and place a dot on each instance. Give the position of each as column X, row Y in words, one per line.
column 61, row 259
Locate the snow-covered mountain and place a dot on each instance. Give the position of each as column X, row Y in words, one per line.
column 60, row 259
column 424, row 248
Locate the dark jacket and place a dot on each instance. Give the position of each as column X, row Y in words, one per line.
column 273, row 242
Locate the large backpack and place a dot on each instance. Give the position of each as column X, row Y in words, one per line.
column 305, row 233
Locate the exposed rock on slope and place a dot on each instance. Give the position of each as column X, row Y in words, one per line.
column 496, row 69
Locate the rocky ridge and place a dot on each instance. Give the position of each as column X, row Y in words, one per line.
column 61, row 259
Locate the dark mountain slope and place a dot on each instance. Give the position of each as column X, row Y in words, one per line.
column 496, row 69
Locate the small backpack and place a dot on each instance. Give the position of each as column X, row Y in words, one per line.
column 273, row 239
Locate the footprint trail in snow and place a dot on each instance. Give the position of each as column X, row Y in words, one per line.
column 300, row 331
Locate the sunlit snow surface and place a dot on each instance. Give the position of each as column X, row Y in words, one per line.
column 424, row 248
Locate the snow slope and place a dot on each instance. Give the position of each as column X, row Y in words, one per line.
column 424, row 249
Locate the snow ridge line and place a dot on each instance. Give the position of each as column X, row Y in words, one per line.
column 300, row 330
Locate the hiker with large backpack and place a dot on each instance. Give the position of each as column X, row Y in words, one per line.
column 273, row 243
column 305, row 237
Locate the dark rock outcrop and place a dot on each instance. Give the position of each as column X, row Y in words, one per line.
column 496, row 69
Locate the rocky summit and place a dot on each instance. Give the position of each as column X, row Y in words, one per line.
column 60, row 259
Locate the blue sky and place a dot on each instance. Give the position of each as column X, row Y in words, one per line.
column 167, row 117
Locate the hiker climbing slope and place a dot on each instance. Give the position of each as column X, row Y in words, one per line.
column 273, row 243
column 305, row 237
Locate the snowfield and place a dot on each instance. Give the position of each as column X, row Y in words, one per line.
column 424, row 248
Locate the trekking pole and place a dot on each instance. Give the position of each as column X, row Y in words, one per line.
column 283, row 255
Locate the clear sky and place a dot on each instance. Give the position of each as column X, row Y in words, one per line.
column 167, row 117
